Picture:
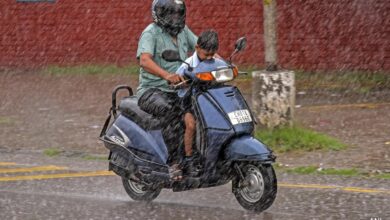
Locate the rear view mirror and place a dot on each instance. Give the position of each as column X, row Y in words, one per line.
column 240, row 44
column 171, row 56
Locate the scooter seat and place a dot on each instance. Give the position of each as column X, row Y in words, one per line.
column 128, row 106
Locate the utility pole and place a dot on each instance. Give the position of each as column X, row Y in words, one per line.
column 270, row 35
column 273, row 89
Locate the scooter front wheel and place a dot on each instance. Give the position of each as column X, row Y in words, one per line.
column 256, row 191
column 138, row 191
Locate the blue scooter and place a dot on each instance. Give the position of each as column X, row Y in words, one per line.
column 224, row 139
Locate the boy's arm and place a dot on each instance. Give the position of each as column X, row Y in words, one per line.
column 181, row 69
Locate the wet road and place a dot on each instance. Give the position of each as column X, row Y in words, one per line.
column 65, row 112
column 33, row 186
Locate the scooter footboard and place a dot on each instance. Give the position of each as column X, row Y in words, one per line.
column 247, row 148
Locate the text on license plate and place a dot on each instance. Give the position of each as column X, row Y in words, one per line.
column 240, row 116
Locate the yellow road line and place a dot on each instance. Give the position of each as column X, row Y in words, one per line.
column 7, row 164
column 109, row 173
column 364, row 190
column 348, row 189
column 57, row 176
column 32, row 169
column 314, row 186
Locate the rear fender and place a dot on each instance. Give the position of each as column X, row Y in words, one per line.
column 247, row 148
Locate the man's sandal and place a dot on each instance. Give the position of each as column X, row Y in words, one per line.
column 175, row 173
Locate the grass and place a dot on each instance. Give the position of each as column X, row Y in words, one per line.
column 302, row 170
column 315, row 170
column 51, row 152
column 356, row 81
column 94, row 157
column 325, row 171
column 383, row 176
column 92, row 69
column 285, row 139
column 5, row 120
column 360, row 82
column 340, row 172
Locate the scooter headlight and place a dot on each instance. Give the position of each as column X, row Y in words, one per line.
column 223, row 75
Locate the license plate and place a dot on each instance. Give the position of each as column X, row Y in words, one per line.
column 239, row 117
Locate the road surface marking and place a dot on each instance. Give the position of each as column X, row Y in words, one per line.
column 57, row 176
column 110, row 173
column 364, row 190
column 32, row 169
column 348, row 189
column 7, row 164
column 314, row 186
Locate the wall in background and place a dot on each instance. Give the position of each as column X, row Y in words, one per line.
column 312, row 34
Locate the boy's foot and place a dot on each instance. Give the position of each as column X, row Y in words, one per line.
column 190, row 166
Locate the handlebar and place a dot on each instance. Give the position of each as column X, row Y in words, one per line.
column 179, row 85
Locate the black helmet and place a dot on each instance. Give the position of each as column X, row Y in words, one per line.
column 170, row 15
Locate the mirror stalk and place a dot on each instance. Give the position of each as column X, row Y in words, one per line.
column 190, row 68
column 231, row 56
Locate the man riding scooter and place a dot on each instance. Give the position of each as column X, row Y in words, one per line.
column 168, row 31
column 228, row 151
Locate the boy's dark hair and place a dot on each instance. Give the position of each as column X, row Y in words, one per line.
column 208, row 40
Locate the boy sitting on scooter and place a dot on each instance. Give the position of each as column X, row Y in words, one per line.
column 205, row 49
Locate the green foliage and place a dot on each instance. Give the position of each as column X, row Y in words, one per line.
column 267, row 2
column 92, row 69
column 51, row 152
column 303, row 170
column 383, row 176
column 286, row 139
column 356, row 81
column 340, row 172
column 5, row 120
column 324, row 171
column 94, row 157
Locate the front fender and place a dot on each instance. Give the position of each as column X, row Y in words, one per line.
column 249, row 149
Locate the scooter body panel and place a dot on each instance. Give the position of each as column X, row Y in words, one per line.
column 249, row 149
column 213, row 107
column 148, row 145
column 230, row 100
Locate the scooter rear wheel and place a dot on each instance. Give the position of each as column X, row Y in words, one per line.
column 138, row 191
column 257, row 191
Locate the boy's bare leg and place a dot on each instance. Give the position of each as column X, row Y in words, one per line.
column 189, row 133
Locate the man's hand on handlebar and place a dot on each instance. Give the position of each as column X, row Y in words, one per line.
column 173, row 78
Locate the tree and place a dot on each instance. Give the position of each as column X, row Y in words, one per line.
column 273, row 90
column 270, row 35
